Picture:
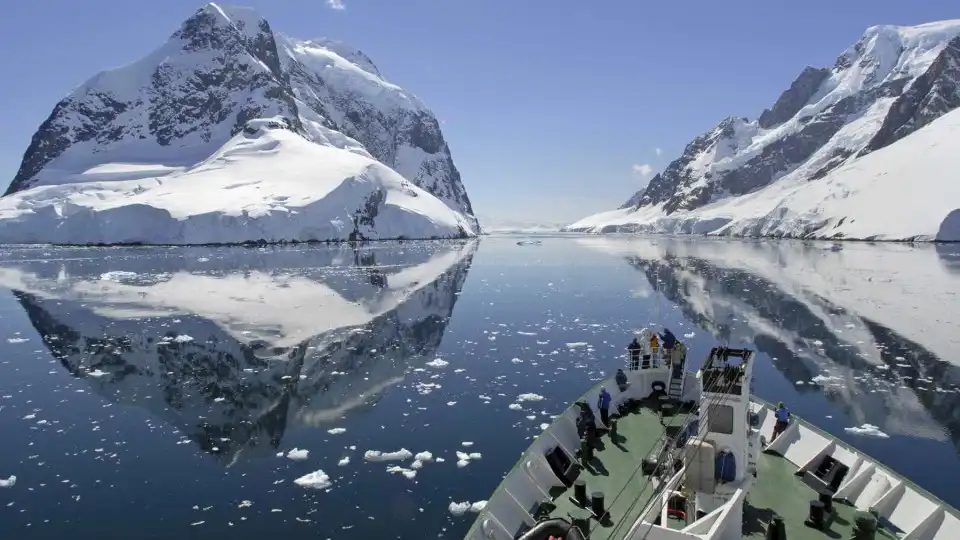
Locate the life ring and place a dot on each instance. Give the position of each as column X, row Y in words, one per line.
column 676, row 514
column 658, row 386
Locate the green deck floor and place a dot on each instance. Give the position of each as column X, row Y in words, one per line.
column 614, row 471
column 778, row 491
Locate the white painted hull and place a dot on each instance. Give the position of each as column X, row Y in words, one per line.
column 868, row 484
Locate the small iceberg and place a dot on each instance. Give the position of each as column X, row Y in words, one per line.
column 376, row 455
column 8, row 482
column 297, row 454
column 867, row 430
column 316, row 480
column 461, row 508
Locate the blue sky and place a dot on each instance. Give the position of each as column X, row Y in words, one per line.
column 552, row 109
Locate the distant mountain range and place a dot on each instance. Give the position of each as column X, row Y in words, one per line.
column 866, row 149
column 231, row 132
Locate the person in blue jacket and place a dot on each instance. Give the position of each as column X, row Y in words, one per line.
column 783, row 420
column 603, row 403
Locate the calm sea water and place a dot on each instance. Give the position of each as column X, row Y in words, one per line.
column 156, row 393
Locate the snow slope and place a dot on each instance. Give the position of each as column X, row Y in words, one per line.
column 909, row 190
column 831, row 159
column 213, row 138
column 261, row 185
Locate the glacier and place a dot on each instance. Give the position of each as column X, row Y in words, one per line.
column 230, row 133
column 864, row 150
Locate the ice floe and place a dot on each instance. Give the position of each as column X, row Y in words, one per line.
column 461, row 508
column 377, row 455
column 316, row 480
column 407, row 473
column 336, row 430
column 8, row 482
column 867, row 430
column 437, row 363
column 298, row 454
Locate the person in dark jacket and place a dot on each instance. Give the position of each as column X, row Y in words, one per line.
column 634, row 349
column 603, row 403
column 668, row 339
column 621, row 379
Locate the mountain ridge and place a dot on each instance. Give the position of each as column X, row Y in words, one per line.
column 225, row 79
column 895, row 81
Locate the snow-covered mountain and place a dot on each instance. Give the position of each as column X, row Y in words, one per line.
column 867, row 149
column 234, row 347
column 832, row 321
column 229, row 132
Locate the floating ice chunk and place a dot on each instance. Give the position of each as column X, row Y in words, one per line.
column 529, row 397
column 344, row 461
column 245, row 504
column 437, row 363
column 408, row 473
column 461, row 508
column 377, row 455
column 517, row 361
column 182, row 338
column 8, row 482
column 867, row 430
column 466, row 443
column 117, row 275
column 463, row 463
column 690, row 335
column 297, row 454
column 516, row 407
column 544, row 426
column 336, row 430
column 451, row 403
column 526, row 333
column 577, row 344
column 17, row 340
column 316, row 480
column 29, row 417
column 423, row 456
column 197, row 523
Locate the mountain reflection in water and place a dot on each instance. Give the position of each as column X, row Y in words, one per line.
column 870, row 327
column 231, row 346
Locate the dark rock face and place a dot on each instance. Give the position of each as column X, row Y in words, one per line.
column 698, row 177
column 385, row 131
column 931, row 95
column 217, row 72
column 794, row 98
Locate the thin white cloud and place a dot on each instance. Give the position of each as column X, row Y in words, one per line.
column 643, row 170
column 336, row 4
column 658, row 151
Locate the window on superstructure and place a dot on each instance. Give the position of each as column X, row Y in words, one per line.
column 720, row 419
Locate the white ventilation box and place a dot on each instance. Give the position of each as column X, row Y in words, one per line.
column 700, row 458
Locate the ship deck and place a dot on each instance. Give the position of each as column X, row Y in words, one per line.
column 614, row 471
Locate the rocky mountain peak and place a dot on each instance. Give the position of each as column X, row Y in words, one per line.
column 893, row 81
column 221, row 69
